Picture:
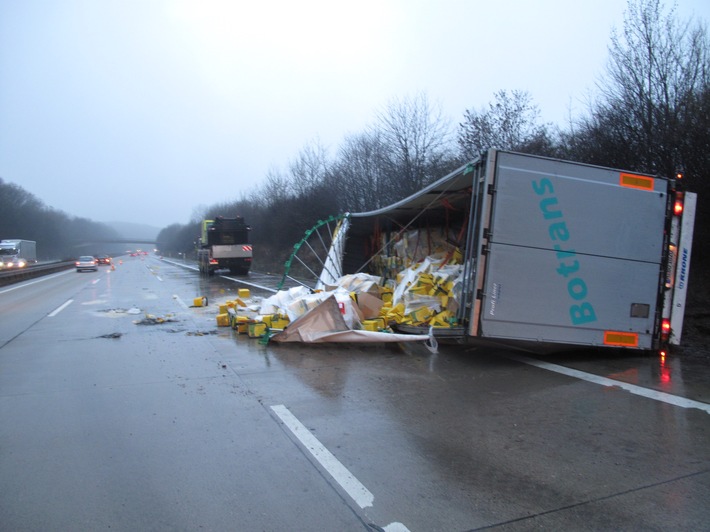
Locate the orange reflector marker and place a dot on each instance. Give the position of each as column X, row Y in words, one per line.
column 636, row 181
column 623, row 339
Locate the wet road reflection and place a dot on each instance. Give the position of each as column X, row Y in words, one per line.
column 471, row 437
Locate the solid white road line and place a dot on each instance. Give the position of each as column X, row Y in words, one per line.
column 352, row 486
column 41, row 279
column 59, row 309
column 632, row 388
column 261, row 287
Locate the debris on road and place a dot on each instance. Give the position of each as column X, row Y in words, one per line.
column 354, row 309
column 200, row 333
column 150, row 319
column 111, row 335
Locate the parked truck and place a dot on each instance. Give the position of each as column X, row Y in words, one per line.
column 552, row 253
column 224, row 244
column 16, row 253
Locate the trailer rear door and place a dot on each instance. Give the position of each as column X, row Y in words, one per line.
column 574, row 253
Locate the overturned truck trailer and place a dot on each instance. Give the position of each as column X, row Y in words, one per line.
column 552, row 253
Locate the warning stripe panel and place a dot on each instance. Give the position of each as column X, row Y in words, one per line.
column 622, row 339
column 636, row 181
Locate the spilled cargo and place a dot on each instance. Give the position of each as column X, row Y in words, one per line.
column 530, row 251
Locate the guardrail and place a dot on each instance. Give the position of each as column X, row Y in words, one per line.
column 28, row 272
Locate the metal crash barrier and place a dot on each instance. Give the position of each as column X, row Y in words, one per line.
column 21, row 274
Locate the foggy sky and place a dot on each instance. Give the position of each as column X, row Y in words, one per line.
column 146, row 110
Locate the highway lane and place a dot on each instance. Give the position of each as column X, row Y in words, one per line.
column 144, row 431
column 184, row 426
column 23, row 304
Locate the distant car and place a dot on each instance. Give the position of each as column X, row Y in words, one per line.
column 104, row 259
column 87, row 262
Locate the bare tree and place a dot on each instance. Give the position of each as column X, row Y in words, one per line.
column 309, row 169
column 277, row 187
column 415, row 137
column 358, row 178
column 511, row 122
column 657, row 72
column 653, row 109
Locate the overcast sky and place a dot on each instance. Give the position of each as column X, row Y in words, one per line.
column 145, row 110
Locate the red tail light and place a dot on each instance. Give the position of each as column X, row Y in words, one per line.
column 665, row 327
column 678, row 205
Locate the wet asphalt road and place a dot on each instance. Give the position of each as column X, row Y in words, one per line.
column 107, row 423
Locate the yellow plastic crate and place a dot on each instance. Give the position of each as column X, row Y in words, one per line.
column 257, row 329
column 374, row 324
column 420, row 315
column 279, row 321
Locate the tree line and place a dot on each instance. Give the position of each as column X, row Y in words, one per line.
column 651, row 114
column 58, row 235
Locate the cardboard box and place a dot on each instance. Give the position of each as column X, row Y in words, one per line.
column 369, row 305
column 244, row 293
column 223, row 320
